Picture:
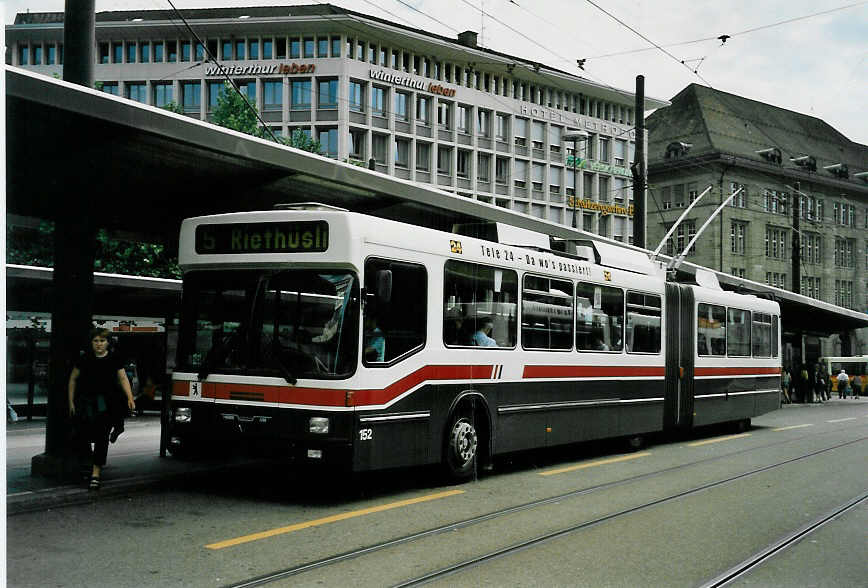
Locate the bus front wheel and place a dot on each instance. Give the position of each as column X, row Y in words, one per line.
column 462, row 445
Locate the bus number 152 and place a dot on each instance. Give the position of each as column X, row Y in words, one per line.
column 366, row 434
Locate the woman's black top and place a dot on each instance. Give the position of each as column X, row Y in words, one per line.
column 97, row 390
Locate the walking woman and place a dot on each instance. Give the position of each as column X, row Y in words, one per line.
column 95, row 400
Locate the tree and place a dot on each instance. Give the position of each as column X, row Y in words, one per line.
column 233, row 112
column 301, row 140
column 174, row 107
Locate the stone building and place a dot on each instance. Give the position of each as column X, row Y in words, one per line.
column 728, row 142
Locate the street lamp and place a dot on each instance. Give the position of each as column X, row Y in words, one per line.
column 575, row 137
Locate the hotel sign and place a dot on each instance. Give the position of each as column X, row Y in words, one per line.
column 577, row 121
column 601, row 207
column 397, row 79
column 606, row 168
column 258, row 69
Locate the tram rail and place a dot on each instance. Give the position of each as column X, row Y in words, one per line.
column 539, row 540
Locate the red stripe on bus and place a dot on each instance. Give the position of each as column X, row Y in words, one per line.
column 590, row 371
column 738, row 371
column 337, row 397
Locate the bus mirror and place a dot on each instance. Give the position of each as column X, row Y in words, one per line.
column 384, row 285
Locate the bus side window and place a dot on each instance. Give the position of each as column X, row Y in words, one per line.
column 479, row 305
column 711, row 330
column 394, row 323
column 599, row 318
column 643, row 323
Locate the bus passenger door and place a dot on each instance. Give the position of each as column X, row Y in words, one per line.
column 680, row 335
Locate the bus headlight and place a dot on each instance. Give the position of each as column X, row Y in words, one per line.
column 319, row 425
column 183, row 414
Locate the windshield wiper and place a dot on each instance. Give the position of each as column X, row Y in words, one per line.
column 284, row 371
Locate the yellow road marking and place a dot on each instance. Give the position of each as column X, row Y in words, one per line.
column 793, row 427
column 842, row 420
column 718, row 439
column 332, row 519
column 595, row 463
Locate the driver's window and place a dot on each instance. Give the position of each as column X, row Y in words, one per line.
column 395, row 310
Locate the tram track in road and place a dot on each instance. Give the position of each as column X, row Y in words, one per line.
column 782, row 544
column 458, row 525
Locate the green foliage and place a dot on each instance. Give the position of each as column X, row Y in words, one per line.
column 174, row 107
column 35, row 247
column 300, row 140
column 233, row 112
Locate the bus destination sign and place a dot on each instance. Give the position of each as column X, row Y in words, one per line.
column 267, row 237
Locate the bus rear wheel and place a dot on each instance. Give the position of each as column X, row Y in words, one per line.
column 462, row 448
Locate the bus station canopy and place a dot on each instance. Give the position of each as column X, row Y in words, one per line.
column 146, row 169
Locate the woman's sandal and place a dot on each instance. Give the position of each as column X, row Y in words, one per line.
column 94, row 483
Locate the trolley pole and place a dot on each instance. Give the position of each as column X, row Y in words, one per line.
column 797, row 244
column 638, row 167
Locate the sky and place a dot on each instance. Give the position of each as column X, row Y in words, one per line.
column 807, row 56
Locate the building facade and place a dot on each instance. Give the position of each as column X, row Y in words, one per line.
column 432, row 109
column 778, row 159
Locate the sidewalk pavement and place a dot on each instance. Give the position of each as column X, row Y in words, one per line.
column 134, row 465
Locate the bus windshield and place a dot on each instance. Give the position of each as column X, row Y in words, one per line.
column 294, row 324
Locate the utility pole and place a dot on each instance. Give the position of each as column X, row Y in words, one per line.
column 797, row 245
column 638, row 167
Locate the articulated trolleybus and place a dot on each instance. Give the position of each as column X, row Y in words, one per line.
column 335, row 337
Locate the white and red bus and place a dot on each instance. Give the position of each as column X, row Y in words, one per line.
column 335, row 337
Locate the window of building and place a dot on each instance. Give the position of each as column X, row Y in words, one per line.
column 252, row 49
column 502, row 131
column 327, row 94
column 685, row 232
column 739, row 201
column 267, row 49
column 186, row 53
column 423, row 156
column 300, row 92
column 336, row 46
column 357, row 143
column 248, row 88
column 162, row 94
column 444, row 161
column 172, row 51
column 555, row 138
column 51, row 59
column 225, row 50
column 479, row 305
column 117, row 52
column 131, row 53
column 322, row 47
column 357, row 96
column 737, row 237
column 394, row 328
column 379, row 106
column 605, row 189
column 214, row 89
column 484, row 119
column 520, row 180
column 328, row 140
column 272, row 95
column 599, row 318
column 137, row 91
column 538, row 134
column 501, row 170
column 620, row 191
column 110, row 88
column 191, row 95
column 401, row 112
column 372, row 53
column 444, row 110
column 555, row 174
column 295, row 48
column 103, row 53
column 620, row 156
column 423, row 110
column 462, row 118
column 378, row 148
column 711, row 330
column 776, row 242
column 483, row 167
column 521, row 131
column 402, row 153
column 604, row 149
column 538, row 172
column 546, row 314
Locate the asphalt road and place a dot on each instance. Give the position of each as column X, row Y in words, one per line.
column 675, row 513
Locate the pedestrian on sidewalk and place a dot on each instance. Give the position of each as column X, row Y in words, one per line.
column 819, row 384
column 785, row 386
column 843, row 381
column 858, row 382
column 95, row 400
